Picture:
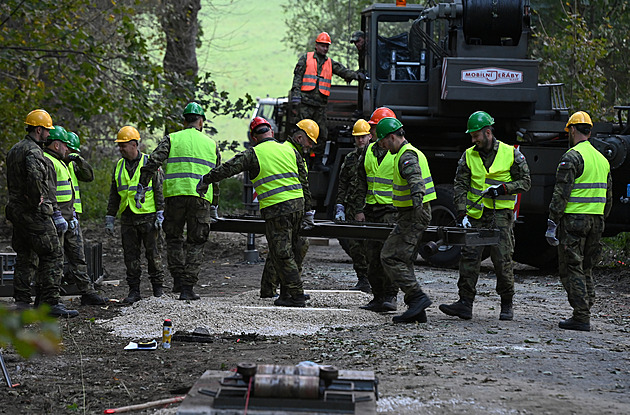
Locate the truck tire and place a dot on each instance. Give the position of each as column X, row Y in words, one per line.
column 444, row 214
column 531, row 247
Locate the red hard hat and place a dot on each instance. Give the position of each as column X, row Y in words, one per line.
column 256, row 122
column 379, row 114
column 323, row 37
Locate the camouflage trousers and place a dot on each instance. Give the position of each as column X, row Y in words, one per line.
column 356, row 250
column 401, row 249
column 39, row 256
column 133, row 238
column 382, row 285
column 287, row 250
column 185, row 257
column 501, row 256
column 317, row 114
column 579, row 251
column 72, row 244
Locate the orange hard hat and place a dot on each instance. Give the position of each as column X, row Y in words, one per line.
column 379, row 114
column 323, row 37
column 258, row 121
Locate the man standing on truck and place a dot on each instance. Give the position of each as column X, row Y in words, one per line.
column 581, row 201
column 188, row 154
column 372, row 199
column 358, row 39
column 281, row 182
column 413, row 189
column 489, row 175
column 312, row 79
column 355, row 248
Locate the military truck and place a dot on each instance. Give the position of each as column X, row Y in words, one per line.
column 434, row 66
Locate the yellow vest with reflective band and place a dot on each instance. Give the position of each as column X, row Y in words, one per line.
column 278, row 180
column 309, row 80
column 379, row 177
column 290, row 144
column 481, row 179
column 127, row 188
column 77, row 193
column 402, row 191
column 64, row 185
column 193, row 154
column 589, row 190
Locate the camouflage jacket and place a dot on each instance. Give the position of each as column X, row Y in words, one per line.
column 82, row 169
column 28, row 173
column 66, row 208
column 160, row 155
column 314, row 97
column 247, row 161
column 359, row 184
column 127, row 216
column 346, row 176
column 521, row 181
column 570, row 167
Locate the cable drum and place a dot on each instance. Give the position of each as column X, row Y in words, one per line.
column 490, row 22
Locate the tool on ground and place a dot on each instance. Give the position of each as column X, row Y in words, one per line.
column 5, row 372
column 150, row 345
column 146, row 405
column 167, row 334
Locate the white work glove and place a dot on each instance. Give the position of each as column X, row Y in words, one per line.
column 214, row 214
column 308, row 222
column 340, row 213
column 552, row 228
column 159, row 218
column 60, row 223
column 109, row 224
column 139, row 196
column 466, row 222
column 73, row 225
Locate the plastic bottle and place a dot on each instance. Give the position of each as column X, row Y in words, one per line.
column 167, row 333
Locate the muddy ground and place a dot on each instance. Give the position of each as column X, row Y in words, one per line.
column 446, row 366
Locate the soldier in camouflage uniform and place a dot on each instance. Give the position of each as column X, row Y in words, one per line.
column 30, row 209
column 138, row 226
column 581, row 201
column 311, row 88
column 188, row 154
column 355, row 248
column 372, row 199
column 412, row 191
column 302, row 140
column 280, row 180
column 56, row 151
column 489, row 176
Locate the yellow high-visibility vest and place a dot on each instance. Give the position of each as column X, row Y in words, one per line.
column 588, row 195
column 128, row 187
column 402, row 191
column 380, row 178
column 278, row 180
column 64, row 184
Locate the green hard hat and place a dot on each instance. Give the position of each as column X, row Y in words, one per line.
column 194, row 108
column 59, row 133
column 387, row 126
column 75, row 142
column 478, row 120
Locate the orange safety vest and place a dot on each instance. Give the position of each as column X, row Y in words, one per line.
column 309, row 81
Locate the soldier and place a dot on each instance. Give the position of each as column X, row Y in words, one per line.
column 355, row 248
column 582, row 199
column 188, row 155
column 372, row 199
column 56, row 151
column 31, row 210
column 311, row 88
column 358, row 39
column 139, row 225
column 80, row 170
column 280, row 180
column 412, row 191
column 489, row 175
column 302, row 140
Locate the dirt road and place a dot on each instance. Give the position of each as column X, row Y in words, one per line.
column 446, row 366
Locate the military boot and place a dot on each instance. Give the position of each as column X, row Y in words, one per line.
column 188, row 293
column 60, row 310
column 507, row 310
column 297, row 300
column 363, row 285
column 390, row 303
column 376, row 304
column 134, row 294
column 177, row 285
column 158, row 290
column 415, row 309
column 570, row 324
column 93, row 299
column 462, row 308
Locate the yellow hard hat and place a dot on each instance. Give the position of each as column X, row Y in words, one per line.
column 310, row 127
column 127, row 133
column 39, row 118
column 361, row 127
column 579, row 117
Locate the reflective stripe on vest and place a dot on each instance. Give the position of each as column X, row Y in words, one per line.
column 278, row 180
column 75, row 184
column 127, row 188
column 588, row 195
column 379, row 177
column 402, row 191
column 481, row 179
column 64, row 185
column 192, row 155
column 311, row 78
